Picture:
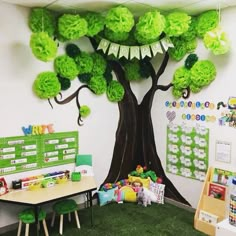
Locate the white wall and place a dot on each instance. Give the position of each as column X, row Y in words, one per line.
column 19, row 107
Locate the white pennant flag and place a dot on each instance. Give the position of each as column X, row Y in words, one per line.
column 124, row 51
column 145, row 51
column 156, row 47
column 134, row 52
column 103, row 45
column 114, row 49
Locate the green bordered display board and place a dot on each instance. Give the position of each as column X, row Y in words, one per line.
column 23, row 153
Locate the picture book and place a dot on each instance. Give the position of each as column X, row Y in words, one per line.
column 223, row 177
column 217, row 191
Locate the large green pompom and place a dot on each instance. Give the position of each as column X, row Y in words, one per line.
column 191, row 33
column 217, row 41
column 132, row 70
column 99, row 64
column 203, row 73
column 179, row 50
column 43, row 47
column 181, row 78
column 177, row 93
column 84, row 63
column 149, row 27
column 42, row 20
column 98, row 84
column 95, row 22
column 84, row 111
column 115, row 91
column 119, row 19
column 66, row 67
column 46, row 85
column 72, row 50
column 72, row 26
column 207, row 21
column 116, row 37
column 177, row 23
column 65, row 83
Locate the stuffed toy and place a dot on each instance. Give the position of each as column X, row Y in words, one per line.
column 143, row 197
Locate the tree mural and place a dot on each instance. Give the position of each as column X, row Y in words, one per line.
column 135, row 143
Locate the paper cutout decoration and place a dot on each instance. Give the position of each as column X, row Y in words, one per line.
column 170, row 115
column 130, row 52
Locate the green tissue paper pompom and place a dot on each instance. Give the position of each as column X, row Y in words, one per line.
column 98, row 84
column 132, row 70
column 99, row 64
column 149, row 27
column 115, row 91
column 119, row 19
column 46, row 85
column 181, row 78
column 43, row 46
column 203, row 73
column 194, row 88
column 217, row 41
column 84, row 63
column 207, row 21
column 191, row 33
column 179, row 50
column 42, row 20
column 66, row 67
column 65, row 83
column 191, row 45
column 190, row 61
column 72, row 26
column 116, row 37
column 72, row 50
column 84, row 111
column 177, row 23
column 85, row 78
column 95, row 22
column 177, row 93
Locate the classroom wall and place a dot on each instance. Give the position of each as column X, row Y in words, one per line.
column 20, row 107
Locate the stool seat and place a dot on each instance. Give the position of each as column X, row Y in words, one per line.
column 27, row 217
column 63, row 207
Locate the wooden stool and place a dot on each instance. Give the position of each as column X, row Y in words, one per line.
column 65, row 207
column 28, row 217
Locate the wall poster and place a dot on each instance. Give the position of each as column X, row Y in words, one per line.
column 187, row 150
column 23, row 153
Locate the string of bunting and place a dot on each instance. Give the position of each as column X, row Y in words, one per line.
column 130, row 52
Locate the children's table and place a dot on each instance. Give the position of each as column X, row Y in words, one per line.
column 36, row 198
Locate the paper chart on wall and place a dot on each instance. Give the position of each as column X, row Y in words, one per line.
column 187, row 151
column 23, row 153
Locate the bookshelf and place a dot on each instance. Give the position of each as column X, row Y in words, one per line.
column 210, row 210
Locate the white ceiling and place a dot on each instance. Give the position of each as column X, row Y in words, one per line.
column 136, row 6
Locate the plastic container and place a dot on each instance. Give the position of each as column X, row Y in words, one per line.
column 232, row 203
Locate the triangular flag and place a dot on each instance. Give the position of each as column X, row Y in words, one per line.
column 156, row 47
column 103, row 45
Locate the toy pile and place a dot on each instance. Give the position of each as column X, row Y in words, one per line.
column 142, row 186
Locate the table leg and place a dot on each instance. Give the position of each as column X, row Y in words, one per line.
column 90, row 205
column 36, row 213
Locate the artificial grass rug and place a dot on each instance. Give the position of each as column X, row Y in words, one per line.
column 129, row 219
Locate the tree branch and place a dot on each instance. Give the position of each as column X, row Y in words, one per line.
column 163, row 66
column 164, row 87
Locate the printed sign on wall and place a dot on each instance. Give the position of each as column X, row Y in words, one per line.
column 22, row 153
column 187, row 150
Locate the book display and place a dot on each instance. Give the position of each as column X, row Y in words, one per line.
column 212, row 205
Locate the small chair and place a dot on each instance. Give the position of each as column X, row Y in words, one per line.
column 27, row 216
column 65, row 207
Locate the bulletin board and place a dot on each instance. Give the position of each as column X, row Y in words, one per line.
column 23, row 153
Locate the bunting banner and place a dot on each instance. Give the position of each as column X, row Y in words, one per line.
column 138, row 52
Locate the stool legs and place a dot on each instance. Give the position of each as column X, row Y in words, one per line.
column 77, row 219
column 19, row 228
column 27, row 230
column 45, row 228
column 53, row 219
column 61, row 224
